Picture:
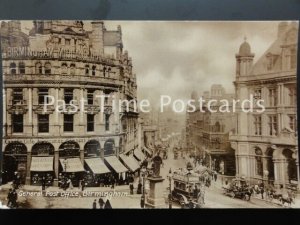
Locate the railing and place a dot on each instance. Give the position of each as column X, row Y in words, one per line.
column 58, row 78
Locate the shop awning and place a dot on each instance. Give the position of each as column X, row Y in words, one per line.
column 41, row 164
column 148, row 150
column 139, row 154
column 131, row 162
column 97, row 165
column 115, row 163
column 72, row 165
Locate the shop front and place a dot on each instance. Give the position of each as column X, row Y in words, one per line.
column 119, row 171
column 70, row 163
column 96, row 172
column 14, row 162
column 42, row 167
column 72, row 168
column 131, row 163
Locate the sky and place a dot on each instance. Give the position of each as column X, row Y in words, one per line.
column 176, row 58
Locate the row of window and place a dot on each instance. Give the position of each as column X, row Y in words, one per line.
column 64, row 69
column 272, row 96
column 44, row 123
column 272, row 124
column 17, row 96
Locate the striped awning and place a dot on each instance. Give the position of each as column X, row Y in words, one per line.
column 115, row 163
column 41, row 164
column 71, row 165
column 97, row 165
column 130, row 162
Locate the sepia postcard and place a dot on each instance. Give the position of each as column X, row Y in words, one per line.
column 149, row 114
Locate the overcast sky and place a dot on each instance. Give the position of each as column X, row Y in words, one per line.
column 175, row 58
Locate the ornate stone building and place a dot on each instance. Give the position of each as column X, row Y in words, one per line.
column 265, row 144
column 66, row 60
column 208, row 132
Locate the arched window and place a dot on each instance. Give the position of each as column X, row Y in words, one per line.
column 12, row 68
column 291, row 164
column 47, row 68
column 217, row 127
column 42, row 149
column 38, row 68
column 72, row 69
column 258, row 159
column 92, row 149
column 69, row 149
column 93, row 70
column 22, row 68
column 64, row 68
column 87, row 70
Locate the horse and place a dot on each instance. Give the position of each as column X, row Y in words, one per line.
column 288, row 200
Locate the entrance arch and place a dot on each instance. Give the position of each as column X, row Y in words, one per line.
column 291, row 164
column 92, row 149
column 69, row 149
column 270, row 164
column 14, row 160
column 42, row 149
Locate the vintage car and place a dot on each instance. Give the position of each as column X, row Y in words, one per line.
column 238, row 188
column 187, row 186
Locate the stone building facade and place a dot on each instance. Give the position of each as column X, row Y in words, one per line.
column 65, row 60
column 208, row 131
column 265, row 144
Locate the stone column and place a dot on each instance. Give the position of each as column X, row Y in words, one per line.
column 279, row 172
column 56, row 166
column 82, row 156
column 28, row 165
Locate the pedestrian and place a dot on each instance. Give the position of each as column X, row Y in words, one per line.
column 262, row 192
column 43, row 183
column 190, row 204
column 107, row 205
column 95, row 204
column 14, row 198
column 139, row 188
column 9, row 197
column 131, row 188
column 215, row 175
column 70, row 184
column 82, row 185
column 101, row 203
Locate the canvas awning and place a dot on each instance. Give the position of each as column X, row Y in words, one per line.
column 131, row 162
column 139, row 154
column 97, row 165
column 148, row 150
column 41, row 164
column 115, row 163
column 72, row 165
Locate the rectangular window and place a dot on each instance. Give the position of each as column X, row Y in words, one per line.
column 43, row 123
column 68, row 95
column 68, row 123
column 293, row 96
column 90, row 97
column 257, row 94
column 292, row 122
column 106, row 122
column 42, row 93
column 257, row 125
column 17, row 123
column 272, row 125
column 90, row 122
column 67, row 41
column 17, row 96
column 272, row 97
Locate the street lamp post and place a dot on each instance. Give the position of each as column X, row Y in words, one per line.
column 170, row 188
column 143, row 172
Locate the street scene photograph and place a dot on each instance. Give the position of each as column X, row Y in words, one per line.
column 149, row 114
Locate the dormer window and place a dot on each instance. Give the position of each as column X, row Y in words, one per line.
column 38, row 68
column 47, row 68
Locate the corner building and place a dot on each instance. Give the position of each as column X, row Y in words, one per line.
column 266, row 144
column 69, row 60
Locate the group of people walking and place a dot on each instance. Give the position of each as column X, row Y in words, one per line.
column 102, row 204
